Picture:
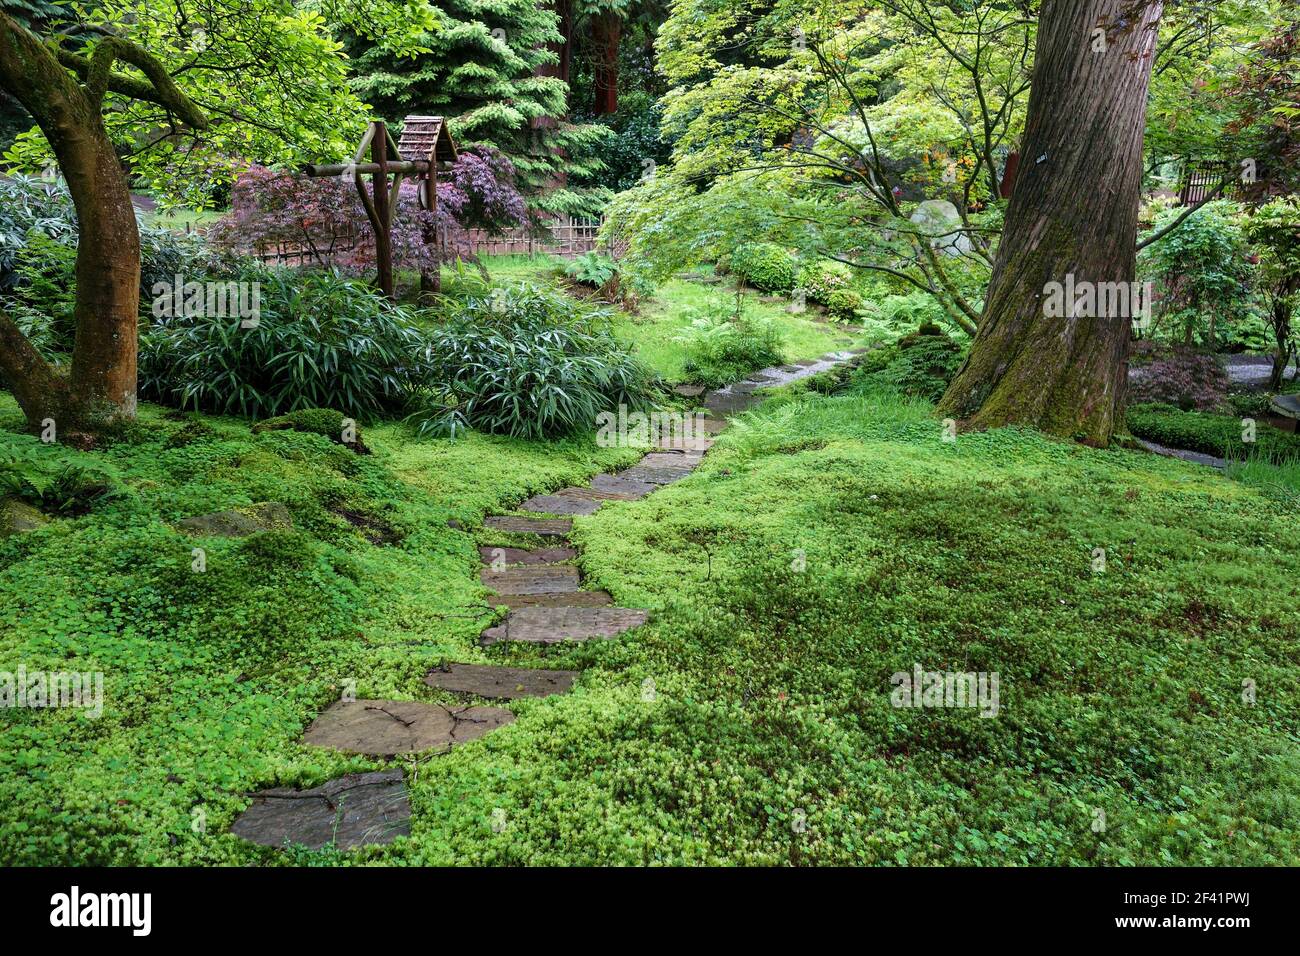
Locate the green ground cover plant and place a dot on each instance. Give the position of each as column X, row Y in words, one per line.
column 1120, row 691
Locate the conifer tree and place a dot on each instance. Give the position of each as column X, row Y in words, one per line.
column 484, row 70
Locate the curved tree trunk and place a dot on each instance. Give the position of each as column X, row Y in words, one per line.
column 1073, row 212
column 101, row 384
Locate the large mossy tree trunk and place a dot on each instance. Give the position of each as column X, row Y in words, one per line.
column 99, row 388
column 1074, row 212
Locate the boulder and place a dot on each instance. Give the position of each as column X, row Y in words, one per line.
column 18, row 516
column 939, row 219
column 240, row 522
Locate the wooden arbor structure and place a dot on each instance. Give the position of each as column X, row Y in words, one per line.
column 425, row 145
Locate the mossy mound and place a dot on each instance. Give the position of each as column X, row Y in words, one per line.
column 332, row 424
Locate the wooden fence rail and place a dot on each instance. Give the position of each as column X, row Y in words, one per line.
column 565, row 238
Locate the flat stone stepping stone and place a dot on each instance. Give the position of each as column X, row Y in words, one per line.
column 501, row 683
column 591, row 494
column 689, row 391
column 550, row 625
column 656, row 476
column 557, row 527
column 239, row 522
column 662, row 468
column 713, row 426
column 359, row 809
column 490, row 554
column 553, row 599
column 730, row 403
column 1195, row 457
column 697, row 444
column 531, row 579
column 671, row 459
column 382, row 728
column 560, row 505
column 624, row 487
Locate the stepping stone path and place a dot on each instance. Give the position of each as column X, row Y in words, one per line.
column 383, row 728
column 350, row 811
column 547, row 605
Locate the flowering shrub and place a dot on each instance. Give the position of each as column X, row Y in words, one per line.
column 322, row 214
column 1177, row 376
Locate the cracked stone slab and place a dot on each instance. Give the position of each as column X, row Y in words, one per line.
column 554, row 599
column 383, row 728
column 490, row 553
column 531, row 579
column 560, row 505
column 549, row 625
column 625, row 487
column 557, row 527
column 501, row 683
column 358, row 809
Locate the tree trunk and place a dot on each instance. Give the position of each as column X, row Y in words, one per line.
column 1280, row 316
column 605, row 28
column 101, row 385
column 1008, row 184
column 1073, row 213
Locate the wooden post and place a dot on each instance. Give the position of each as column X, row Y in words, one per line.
column 379, row 185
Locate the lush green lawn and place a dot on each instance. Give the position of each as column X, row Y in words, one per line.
column 669, row 311
column 1119, row 691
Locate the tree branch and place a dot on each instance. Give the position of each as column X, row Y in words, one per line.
column 96, row 73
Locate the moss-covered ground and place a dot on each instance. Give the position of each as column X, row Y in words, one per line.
column 826, row 543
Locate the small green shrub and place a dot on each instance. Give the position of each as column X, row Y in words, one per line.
column 765, row 266
column 821, row 279
column 525, row 362
column 1218, row 435
column 327, row 422
column 843, row 305
column 720, row 349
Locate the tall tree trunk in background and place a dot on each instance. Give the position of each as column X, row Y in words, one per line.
column 605, row 30
column 564, row 49
column 1073, row 212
